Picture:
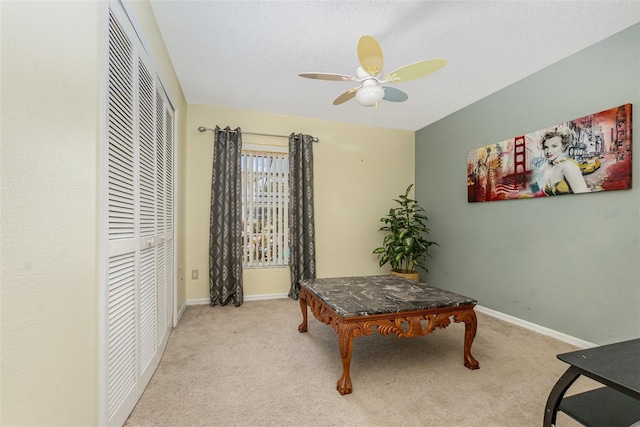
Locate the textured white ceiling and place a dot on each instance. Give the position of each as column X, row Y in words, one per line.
column 248, row 54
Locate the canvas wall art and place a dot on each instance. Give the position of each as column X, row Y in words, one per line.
column 585, row 155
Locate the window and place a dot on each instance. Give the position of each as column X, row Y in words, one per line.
column 265, row 203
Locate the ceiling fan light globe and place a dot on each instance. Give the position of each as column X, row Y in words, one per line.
column 370, row 95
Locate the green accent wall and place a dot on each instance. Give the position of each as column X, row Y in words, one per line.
column 572, row 263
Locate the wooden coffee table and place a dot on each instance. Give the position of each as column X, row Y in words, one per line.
column 352, row 306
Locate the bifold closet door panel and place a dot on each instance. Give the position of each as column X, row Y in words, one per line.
column 140, row 216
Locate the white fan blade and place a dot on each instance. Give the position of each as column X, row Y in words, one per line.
column 394, row 95
column 328, row 76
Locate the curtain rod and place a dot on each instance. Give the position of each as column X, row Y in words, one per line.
column 204, row 129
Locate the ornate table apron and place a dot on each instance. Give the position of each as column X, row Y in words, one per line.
column 405, row 324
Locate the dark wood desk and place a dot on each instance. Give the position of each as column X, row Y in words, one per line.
column 353, row 306
column 617, row 366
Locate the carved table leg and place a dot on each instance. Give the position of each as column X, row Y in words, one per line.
column 345, row 339
column 470, row 326
column 303, row 306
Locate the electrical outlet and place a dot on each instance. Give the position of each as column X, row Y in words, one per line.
column 194, row 274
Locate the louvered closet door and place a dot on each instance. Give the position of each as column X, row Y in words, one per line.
column 165, row 218
column 140, row 221
column 123, row 264
column 148, row 199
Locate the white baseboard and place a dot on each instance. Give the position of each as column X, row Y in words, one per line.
column 180, row 313
column 260, row 297
column 265, row 296
column 536, row 328
column 198, row 301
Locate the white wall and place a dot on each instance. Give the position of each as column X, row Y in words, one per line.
column 357, row 171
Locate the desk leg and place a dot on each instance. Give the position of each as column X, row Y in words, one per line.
column 303, row 306
column 345, row 339
column 556, row 395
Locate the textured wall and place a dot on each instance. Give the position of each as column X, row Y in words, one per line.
column 357, row 171
column 563, row 263
column 53, row 94
column 49, row 215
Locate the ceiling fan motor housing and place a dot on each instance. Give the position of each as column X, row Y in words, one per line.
column 370, row 94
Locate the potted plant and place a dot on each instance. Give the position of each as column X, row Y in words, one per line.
column 405, row 246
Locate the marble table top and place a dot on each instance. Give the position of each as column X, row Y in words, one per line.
column 368, row 295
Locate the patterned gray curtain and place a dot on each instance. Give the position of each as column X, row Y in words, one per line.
column 225, row 229
column 302, row 240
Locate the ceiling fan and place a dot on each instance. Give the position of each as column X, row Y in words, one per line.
column 369, row 74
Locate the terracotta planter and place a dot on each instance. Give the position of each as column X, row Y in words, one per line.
column 411, row 275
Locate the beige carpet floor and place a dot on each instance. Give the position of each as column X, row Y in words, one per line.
column 249, row 366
